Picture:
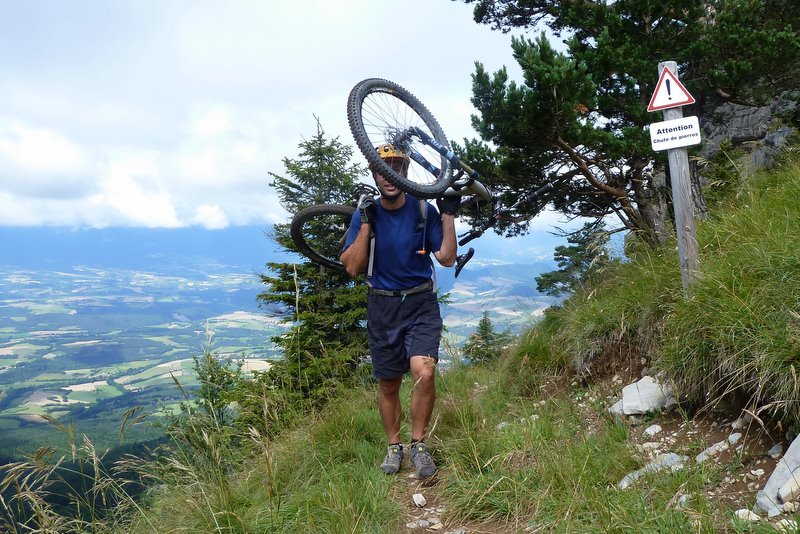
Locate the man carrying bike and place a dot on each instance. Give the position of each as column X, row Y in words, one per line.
column 392, row 241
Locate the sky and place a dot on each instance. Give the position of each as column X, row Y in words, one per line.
column 171, row 113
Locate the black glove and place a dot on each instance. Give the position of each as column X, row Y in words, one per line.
column 367, row 209
column 448, row 204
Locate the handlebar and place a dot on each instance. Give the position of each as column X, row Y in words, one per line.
column 530, row 197
column 477, row 232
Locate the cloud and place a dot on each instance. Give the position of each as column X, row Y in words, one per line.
column 132, row 189
column 210, row 217
column 180, row 115
column 40, row 162
column 38, row 149
column 214, row 123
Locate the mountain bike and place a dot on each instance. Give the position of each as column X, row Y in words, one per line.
column 378, row 112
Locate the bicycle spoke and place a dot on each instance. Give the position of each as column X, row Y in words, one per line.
column 388, row 119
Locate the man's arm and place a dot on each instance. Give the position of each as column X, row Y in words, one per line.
column 355, row 257
column 446, row 255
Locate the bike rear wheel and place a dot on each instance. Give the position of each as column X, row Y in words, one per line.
column 380, row 111
column 319, row 232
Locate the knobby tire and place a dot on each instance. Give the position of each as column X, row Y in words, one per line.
column 377, row 111
column 322, row 225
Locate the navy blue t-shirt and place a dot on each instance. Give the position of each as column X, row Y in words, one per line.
column 397, row 265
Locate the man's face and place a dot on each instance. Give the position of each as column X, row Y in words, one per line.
column 386, row 187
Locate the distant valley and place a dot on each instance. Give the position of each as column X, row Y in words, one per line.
column 96, row 322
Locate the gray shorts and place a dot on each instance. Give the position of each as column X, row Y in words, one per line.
column 401, row 327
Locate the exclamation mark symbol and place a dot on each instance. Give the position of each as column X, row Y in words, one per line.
column 669, row 94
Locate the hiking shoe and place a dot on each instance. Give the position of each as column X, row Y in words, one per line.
column 422, row 460
column 394, row 458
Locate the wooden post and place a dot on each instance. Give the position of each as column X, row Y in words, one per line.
column 682, row 201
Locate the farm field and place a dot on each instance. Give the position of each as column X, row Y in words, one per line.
column 86, row 344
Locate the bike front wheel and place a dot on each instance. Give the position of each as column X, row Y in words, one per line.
column 319, row 232
column 380, row 111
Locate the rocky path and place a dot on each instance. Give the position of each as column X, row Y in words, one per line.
column 758, row 462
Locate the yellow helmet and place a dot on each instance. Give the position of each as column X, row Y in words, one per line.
column 387, row 151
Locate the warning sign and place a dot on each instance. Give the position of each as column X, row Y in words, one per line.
column 669, row 93
column 675, row 133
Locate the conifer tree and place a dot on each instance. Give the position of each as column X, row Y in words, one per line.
column 578, row 117
column 578, row 262
column 485, row 344
column 326, row 309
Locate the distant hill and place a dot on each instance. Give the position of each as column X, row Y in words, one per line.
column 94, row 322
column 136, row 248
column 245, row 247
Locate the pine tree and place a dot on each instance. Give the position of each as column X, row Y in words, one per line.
column 485, row 344
column 326, row 309
column 578, row 262
column 578, row 118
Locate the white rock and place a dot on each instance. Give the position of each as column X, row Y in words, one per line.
column 786, row 526
column 757, row 472
column 746, row 515
column 645, row 395
column 776, row 451
column 663, row 461
column 502, row 425
column 767, row 498
column 652, row 430
column 734, row 438
column 650, row 446
column 419, row 500
column 738, row 424
column 419, row 523
column 791, row 507
column 711, row 451
column 790, row 489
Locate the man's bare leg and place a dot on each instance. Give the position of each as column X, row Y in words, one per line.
column 390, row 408
column 423, row 395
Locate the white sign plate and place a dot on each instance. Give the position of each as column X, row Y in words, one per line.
column 675, row 133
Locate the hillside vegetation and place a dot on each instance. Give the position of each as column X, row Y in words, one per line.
column 525, row 441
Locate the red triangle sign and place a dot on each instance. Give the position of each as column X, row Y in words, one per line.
column 669, row 93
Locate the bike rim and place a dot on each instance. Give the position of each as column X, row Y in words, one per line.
column 387, row 115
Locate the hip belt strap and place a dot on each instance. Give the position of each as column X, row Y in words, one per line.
column 426, row 286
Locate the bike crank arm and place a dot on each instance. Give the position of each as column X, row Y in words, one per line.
column 462, row 259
